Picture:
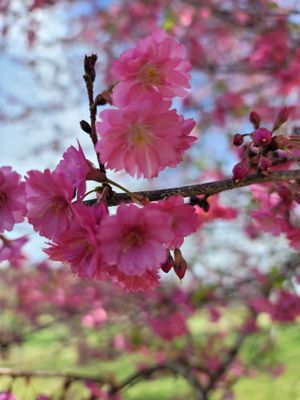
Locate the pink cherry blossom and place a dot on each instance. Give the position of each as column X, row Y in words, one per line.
column 11, row 250
column 134, row 240
column 79, row 245
column 12, row 199
column 75, row 167
column 183, row 218
column 149, row 280
column 49, row 196
column 156, row 65
column 144, row 137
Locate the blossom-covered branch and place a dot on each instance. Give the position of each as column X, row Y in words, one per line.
column 205, row 189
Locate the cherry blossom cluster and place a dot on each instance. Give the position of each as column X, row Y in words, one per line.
column 142, row 136
column 261, row 153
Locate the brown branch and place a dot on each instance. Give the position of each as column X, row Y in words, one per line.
column 172, row 366
column 206, row 189
column 229, row 358
column 89, row 78
column 175, row 367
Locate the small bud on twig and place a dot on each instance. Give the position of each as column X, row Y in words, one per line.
column 85, row 126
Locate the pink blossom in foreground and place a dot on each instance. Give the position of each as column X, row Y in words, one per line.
column 49, row 196
column 134, row 240
column 79, row 245
column 143, row 138
column 156, row 65
column 75, row 167
column 149, row 280
column 12, row 199
column 183, row 218
column 11, row 250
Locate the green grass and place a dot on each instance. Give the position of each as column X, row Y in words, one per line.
column 44, row 352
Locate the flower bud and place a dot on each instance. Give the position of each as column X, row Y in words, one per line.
column 180, row 266
column 168, row 264
column 254, row 119
column 86, row 127
column 238, row 139
column 240, row 170
column 264, row 164
column 262, row 137
column 281, row 118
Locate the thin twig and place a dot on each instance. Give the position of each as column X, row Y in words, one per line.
column 172, row 366
column 206, row 189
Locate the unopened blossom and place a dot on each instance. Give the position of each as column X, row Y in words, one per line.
column 240, row 170
column 134, row 240
column 75, row 167
column 79, row 245
column 144, row 137
column 183, row 218
column 262, row 137
column 12, row 199
column 156, row 65
column 49, row 196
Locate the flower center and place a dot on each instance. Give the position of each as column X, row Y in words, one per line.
column 150, row 75
column 140, row 135
column 58, row 205
column 3, row 198
column 133, row 239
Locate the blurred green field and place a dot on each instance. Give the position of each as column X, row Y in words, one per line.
column 44, row 352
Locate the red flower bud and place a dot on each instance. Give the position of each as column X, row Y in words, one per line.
column 281, row 118
column 262, row 137
column 168, row 264
column 240, row 170
column 238, row 139
column 254, row 119
column 180, row 266
column 264, row 163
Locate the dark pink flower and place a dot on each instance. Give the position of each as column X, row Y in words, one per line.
column 156, row 65
column 12, row 199
column 134, row 240
column 143, row 138
column 49, row 196
column 79, row 246
column 183, row 218
column 75, row 167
